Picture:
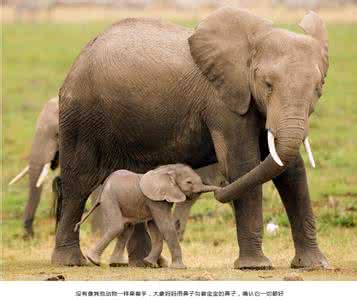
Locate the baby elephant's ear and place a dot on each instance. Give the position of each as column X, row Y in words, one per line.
column 160, row 184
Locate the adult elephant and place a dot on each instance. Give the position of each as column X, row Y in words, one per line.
column 148, row 92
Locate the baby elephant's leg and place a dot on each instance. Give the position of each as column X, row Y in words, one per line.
column 161, row 212
column 181, row 214
column 114, row 227
column 118, row 259
column 156, row 245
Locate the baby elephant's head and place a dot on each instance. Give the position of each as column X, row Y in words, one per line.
column 173, row 183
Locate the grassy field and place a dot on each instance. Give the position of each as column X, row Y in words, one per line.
column 36, row 58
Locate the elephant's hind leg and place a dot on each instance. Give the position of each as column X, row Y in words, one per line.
column 79, row 179
column 95, row 253
column 114, row 228
column 67, row 251
column 117, row 258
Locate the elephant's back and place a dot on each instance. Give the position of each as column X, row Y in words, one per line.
column 142, row 39
column 146, row 54
column 124, row 186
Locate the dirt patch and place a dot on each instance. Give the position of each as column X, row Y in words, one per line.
column 293, row 277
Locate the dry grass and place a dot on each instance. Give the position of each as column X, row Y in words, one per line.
column 206, row 259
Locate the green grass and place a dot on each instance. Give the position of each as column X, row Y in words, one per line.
column 36, row 58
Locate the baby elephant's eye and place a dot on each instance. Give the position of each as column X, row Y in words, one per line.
column 189, row 182
column 269, row 86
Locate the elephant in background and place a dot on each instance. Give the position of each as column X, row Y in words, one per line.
column 44, row 156
column 236, row 90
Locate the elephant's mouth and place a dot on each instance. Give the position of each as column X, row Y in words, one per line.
column 275, row 156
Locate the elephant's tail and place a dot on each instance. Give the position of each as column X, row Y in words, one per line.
column 97, row 203
column 57, row 198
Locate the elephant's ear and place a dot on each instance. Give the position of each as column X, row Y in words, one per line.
column 313, row 25
column 222, row 46
column 160, row 184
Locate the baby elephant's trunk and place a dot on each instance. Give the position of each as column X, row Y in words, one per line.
column 206, row 188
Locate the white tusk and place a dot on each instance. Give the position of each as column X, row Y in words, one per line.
column 272, row 150
column 309, row 152
column 20, row 175
column 43, row 174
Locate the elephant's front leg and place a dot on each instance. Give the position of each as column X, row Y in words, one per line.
column 236, row 141
column 161, row 213
column 293, row 189
column 181, row 215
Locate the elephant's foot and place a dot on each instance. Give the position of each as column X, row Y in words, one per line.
column 151, row 262
column 178, row 265
column 137, row 263
column 310, row 259
column 28, row 230
column 116, row 261
column 68, row 256
column 256, row 262
column 28, row 234
column 162, row 262
column 93, row 257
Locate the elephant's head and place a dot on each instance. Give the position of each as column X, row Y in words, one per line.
column 280, row 72
column 173, row 183
column 45, row 146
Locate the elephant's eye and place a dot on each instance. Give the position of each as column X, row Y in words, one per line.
column 189, row 182
column 269, row 86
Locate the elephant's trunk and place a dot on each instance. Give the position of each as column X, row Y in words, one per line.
column 33, row 197
column 206, row 189
column 42, row 153
column 287, row 143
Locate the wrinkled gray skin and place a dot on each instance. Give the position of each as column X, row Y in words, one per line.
column 129, row 198
column 210, row 175
column 145, row 93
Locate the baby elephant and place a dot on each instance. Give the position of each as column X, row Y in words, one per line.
column 128, row 198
